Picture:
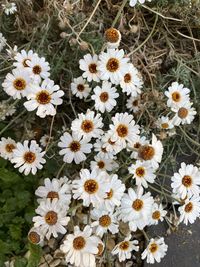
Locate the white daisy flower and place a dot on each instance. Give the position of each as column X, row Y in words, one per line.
column 158, row 214
column 184, row 115
column 17, row 83
column 133, row 104
column 136, row 208
column 52, row 218
column 80, row 247
column 73, row 148
column 190, row 211
column 99, row 146
column 152, row 153
column 54, row 189
column 44, row 140
column 134, row 2
column 22, row 58
column 155, row 250
column 124, row 128
column 89, row 64
column 103, row 164
column 112, row 147
column 35, row 236
column 135, row 145
column 12, row 52
column 125, row 248
column 7, row 145
column 164, row 123
column 186, row 182
column 44, row 98
column 80, row 88
column 101, row 247
column 113, row 37
column 9, row 8
column 104, row 221
column 143, row 173
column 39, row 68
column 115, row 193
column 2, row 41
column 91, row 187
column 113, row 65
column 28, row 158
column 177, row 95
column 88, row 125
column 6, row 110
column 132, row 82
column 105, row 96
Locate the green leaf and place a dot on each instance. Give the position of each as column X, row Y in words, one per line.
column 15, row 231
column 36, row 253
column 20, row 262
column 3, row 163
column 8, row 176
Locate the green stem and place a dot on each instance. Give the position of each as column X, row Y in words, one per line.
column 145, row 235
column 119, row 13
column 11, row 122
column 148, row 37
column 189, row 138
column 161, row 192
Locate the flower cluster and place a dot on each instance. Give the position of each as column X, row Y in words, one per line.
column 27, row 157
column 180, row 110
column 30, row 79
column 119, row 160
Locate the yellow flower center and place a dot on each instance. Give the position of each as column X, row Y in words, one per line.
column 127, row 78
column 153, row 247
column 34, row 237
column 105, row 220
column 109, row 194
column 43, row 97
column 79, row 243
column 176, row 96
column 19, row 84
column 37, row 69
column 146, row 152
column 187, row 181
column 52, row 195
column 91, row 186
column 9, row 148
column 29, row 157
column 140, row 171
column 104, row 97
column 182, row 113
column 124, row 245
column 112, row 65
column 137, row 204
column 93, row 68
column 122, row 130
column 112, row 35
column 75, row 146
column 156, row 215
column 189, row 207
column 87, row 126
column 51, row 217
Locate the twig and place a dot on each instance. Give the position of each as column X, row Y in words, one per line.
column 161, row 15
column 119, row 12
column 88, row 21
column 11, row 122
column 148, row 37
column 50, row 132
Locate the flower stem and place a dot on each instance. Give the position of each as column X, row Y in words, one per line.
column 119, row 13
